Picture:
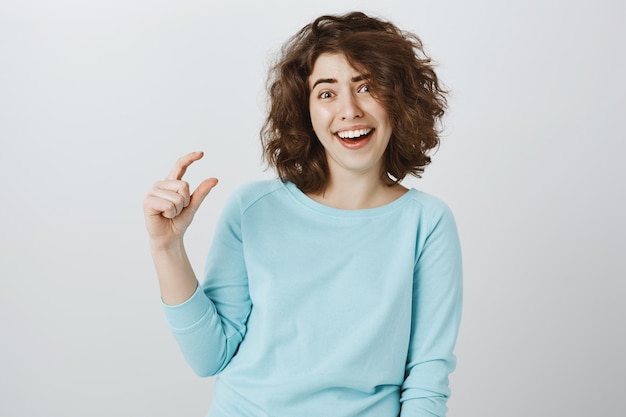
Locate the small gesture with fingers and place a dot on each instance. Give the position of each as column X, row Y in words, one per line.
column 169, row 207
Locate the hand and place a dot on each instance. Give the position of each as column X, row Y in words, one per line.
column 169, row 208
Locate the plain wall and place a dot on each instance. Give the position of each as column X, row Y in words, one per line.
column 98, row 99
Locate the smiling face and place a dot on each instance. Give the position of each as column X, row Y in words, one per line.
column 351, row 125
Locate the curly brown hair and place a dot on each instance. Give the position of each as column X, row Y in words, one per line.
column 402, row 79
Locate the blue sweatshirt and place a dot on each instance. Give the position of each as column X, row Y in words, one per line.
column 307, row 310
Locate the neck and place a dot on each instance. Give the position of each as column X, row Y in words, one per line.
column 358, row 192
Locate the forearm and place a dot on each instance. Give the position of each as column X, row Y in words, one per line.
column 177, row 281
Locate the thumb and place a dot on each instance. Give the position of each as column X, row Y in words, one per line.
column 200, row 193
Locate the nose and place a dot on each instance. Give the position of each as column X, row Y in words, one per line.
column 349, row 107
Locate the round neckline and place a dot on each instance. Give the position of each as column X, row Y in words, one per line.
column 307, row 201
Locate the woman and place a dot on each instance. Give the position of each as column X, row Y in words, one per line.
column 332, row 290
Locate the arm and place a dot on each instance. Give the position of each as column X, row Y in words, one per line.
column 211, row 324
column 437, row 296
column 206, row 338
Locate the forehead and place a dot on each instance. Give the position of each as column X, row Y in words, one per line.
column 332, row 65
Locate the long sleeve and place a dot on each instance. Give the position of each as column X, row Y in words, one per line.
column 436, row 313
column 211, row 324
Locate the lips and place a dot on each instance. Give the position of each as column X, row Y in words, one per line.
column 355, row 138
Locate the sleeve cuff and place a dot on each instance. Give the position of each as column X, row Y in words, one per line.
column 186, row 314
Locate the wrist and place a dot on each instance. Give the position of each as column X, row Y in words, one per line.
column 159, row 247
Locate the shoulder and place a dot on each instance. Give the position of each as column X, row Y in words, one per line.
column 437, row 232
column 248, row 194
column 429, row 205
column 433, row 215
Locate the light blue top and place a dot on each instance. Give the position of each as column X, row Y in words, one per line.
column 308, row 310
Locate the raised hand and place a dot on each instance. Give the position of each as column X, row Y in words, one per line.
column 169, row 207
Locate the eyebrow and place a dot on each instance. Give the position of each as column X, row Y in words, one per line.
column 334, row 80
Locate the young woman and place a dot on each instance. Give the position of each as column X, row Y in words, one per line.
column 332, row 290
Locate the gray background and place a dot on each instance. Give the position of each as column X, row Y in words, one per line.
column 98, row 98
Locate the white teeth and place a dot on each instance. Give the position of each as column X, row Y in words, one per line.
column 351, row 134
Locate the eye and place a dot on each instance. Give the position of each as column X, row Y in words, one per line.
column 365, row 88
column 325, row 95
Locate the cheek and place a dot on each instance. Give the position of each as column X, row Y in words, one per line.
column 319, row 117
column 380, row 113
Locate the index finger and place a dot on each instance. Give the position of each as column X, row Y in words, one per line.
column 180, row 167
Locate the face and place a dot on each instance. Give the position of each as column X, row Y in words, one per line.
column 352, row 126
